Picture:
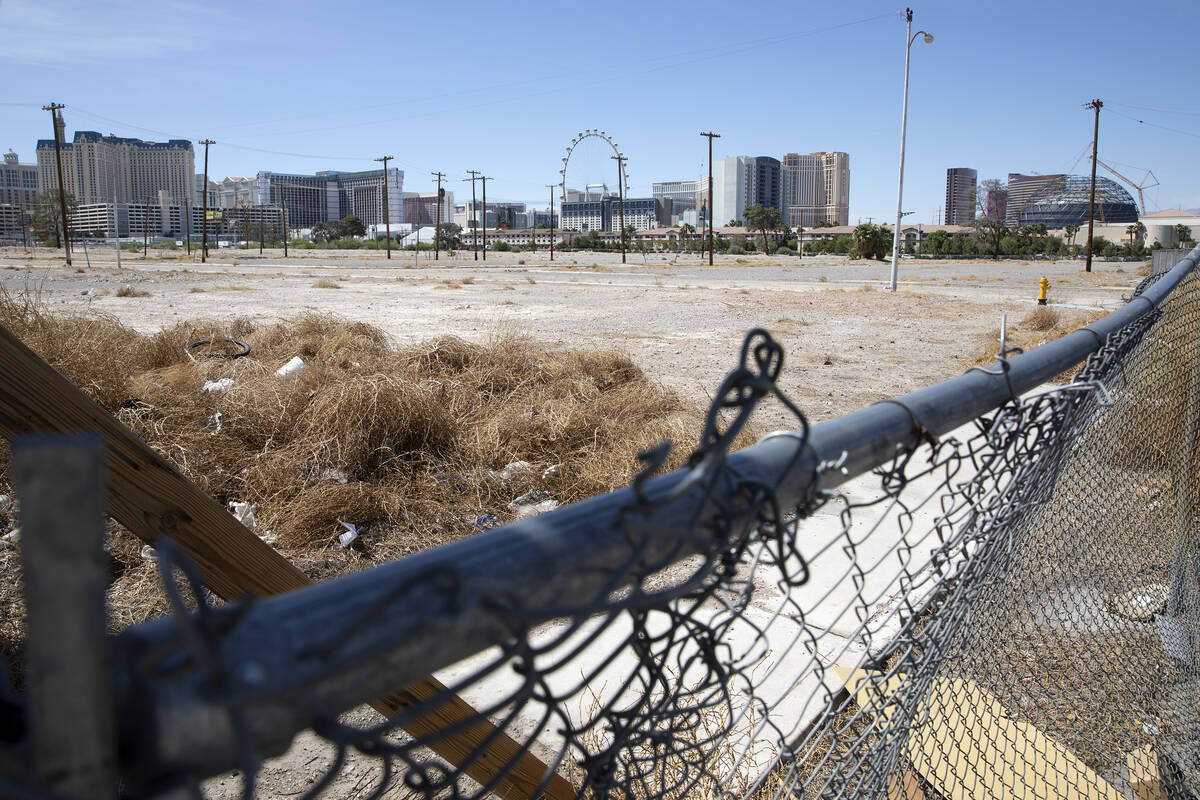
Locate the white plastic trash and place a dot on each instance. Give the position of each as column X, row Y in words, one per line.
column 534, row 509
column 148, row 553
column 510, row 470
column 291, row 367
column 346, row 539
column 335, row 474
column 217, row 386
column 244, row 513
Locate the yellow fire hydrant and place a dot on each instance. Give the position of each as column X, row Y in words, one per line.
column 1043, row 288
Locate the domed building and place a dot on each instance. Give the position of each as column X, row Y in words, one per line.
column 1064, row 201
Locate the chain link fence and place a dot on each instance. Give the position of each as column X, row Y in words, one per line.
column 979, row 590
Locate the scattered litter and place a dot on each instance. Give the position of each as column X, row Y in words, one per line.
column 510, row 470
column 217, row 386
column 91, row 293
column 533, row 510
column 334, row 474
column 551, row 471
column 5, row 502
column 535, row 496
column 486, row 522
column 213, row 425
column 291, row 367
column 244, row 513
column 13, row 536
column 532, row 503
column 346, row 539
column 149, row 554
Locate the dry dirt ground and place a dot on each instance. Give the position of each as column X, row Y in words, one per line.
column 848, row 340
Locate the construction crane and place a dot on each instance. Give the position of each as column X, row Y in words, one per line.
column 1145, row 184
column 1137, row 187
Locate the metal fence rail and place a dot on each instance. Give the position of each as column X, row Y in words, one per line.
column 697, row 632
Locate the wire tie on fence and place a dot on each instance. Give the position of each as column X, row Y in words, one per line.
column 1100, row 338
column 923, row 433
column 838, row 463
column 1104, row 397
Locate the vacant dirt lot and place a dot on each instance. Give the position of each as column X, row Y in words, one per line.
column 849, row 341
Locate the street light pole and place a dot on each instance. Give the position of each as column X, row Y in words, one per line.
column 910, row 37
column 708, row 217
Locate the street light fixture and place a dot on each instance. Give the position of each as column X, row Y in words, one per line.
column 910, row 37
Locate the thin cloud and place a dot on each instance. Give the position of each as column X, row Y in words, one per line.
column 61, row 32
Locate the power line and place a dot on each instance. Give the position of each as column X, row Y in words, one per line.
column 1155, row 125
column 666, row 62
column 1158, row 110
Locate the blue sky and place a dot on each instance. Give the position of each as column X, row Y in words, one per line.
column 502, row 87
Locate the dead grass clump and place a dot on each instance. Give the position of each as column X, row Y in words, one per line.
column 1042, row 318
column 362, row 423
column 129, row 291
column 326, row 284
column 195, row 290
column 404, row 442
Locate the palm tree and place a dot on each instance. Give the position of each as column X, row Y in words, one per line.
column 686, row 231
column 1071, row 230
column 1183, row 233
column 1135, row 231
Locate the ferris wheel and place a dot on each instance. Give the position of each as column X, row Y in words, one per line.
column 596, row 133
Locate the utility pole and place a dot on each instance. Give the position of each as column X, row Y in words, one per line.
column 550, row 186
column 474, row 210
column 146, row 228
column 54, row 108
column 204, row 234
column 620, row 159
column 187, row 225
column 283, row 206
column 387, row 222
column 437, row 222
column 483, row 219
column 1097, row 105
column 709, row 216
column 260, row 231
column 117, row 227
